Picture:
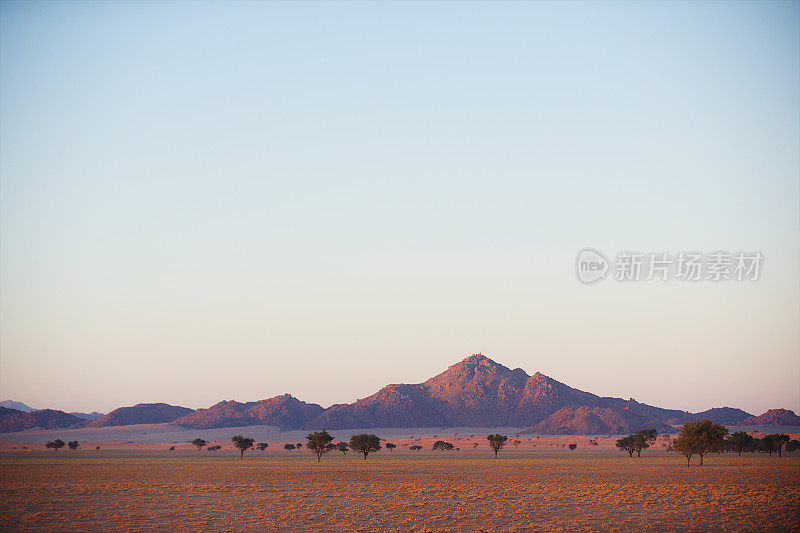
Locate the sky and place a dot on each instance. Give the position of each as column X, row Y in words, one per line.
column 203, row 200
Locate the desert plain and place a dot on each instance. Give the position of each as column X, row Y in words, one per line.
column 547, row 487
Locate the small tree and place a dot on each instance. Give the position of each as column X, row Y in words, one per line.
column 516, row 443
column 643, row 439
column 289, row 446
column 318, row 442
column 390, row 446
column 442, row 445
column 628, row 444
column 55, row 444
column 262, row 446
column 792, row 445
column 740, row 441
column 243, row 443
column 299, row 444
column 415, row 448
column 779, row 440
column 365, row 443
column 496, row 442
column 199, row 443
column 73, row 445
column 342, row 447
column 572, row 447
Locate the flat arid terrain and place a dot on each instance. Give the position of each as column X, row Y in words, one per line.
column 146, row 489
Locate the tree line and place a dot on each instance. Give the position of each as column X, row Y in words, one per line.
column 702, row 437
column 697, row 438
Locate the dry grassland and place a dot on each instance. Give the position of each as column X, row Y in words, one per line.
column 90, row 490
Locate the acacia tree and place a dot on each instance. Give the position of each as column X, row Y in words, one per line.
column 342, row 447
column 699, row 437
column 415, row 448
column 496, row 442
column 572, row 447
column 55, row 444
column 73, row 445
column 365, row 443
column 740, row 441
column 243, row 443
column 442, row 445
column 318, row 442
column 262, row 446
column 390, row 446
column 199, row 443
column 289, row 446
column 778, row 441
column 628, row 444
column 643, row 439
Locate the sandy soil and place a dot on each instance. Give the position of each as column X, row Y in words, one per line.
column 543, row 490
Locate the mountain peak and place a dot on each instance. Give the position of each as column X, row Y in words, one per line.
column 476, row 358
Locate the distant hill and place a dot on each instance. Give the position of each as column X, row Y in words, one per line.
column 19, row 406
column 285, row 411
column 143, row 413
column 13, row 420
column 774, row 417
column 88, row 416
column 723, row 415
column 587, row 420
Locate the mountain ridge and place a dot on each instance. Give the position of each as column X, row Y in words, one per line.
column 474, row 392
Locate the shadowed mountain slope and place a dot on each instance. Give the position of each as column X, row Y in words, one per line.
column 285, row 411
column 723, row 415
column 143, row 413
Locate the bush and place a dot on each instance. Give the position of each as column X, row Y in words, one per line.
column 442, row 445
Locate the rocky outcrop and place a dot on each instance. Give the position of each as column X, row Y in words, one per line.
column 774, row 417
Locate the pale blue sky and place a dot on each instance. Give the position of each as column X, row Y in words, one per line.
column 206, row 201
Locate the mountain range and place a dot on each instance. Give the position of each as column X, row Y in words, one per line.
column 475, row 392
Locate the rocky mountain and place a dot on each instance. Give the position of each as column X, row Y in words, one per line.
column 723, row 415
column 19, row 406
column 774, row 417
column 14, row 420
column 478, row 392
column 285, row 411
column 143, row 413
